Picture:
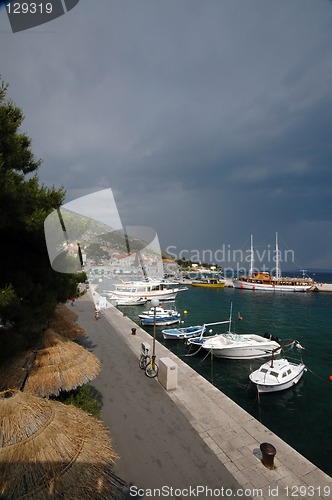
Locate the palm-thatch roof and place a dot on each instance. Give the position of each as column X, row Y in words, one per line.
column 48, row 449
column 63, row 322
column 60, row 365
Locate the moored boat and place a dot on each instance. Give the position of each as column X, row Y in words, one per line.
column 148, row 289
column 230, row 345
column 183, row 333
column 130, row 301
column 280, row 374
column 264, row 281
column 160, row 317
column 239, row 346
column 208, row 283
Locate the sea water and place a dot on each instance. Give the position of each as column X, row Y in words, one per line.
column 302, row 415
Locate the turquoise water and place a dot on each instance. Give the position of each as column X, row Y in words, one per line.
column 302, row 415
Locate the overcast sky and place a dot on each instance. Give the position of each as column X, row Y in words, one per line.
column 210, row 120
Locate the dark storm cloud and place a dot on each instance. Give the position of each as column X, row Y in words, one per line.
column 208, row 119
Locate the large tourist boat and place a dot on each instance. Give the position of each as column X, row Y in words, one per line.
column 262, row 280
column 148, row 290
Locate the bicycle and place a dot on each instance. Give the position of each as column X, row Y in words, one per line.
column 147, row 362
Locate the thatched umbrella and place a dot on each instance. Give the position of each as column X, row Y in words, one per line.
column 60, row 365
column 14, row 371
column 48, row 449
column 63, row 322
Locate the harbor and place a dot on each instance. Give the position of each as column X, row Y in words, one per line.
column 231, row 434
column 298, row 412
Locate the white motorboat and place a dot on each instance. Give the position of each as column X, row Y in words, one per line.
column 262, row 280
column 280, row 374
column 148, row 289
column 239, row 346
column 230, row 345
column 159, row 316
column 183, row 333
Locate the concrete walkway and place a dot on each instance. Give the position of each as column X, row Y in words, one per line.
column 192, row 441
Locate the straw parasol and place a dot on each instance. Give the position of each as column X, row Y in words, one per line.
column 60, row 365
column 48, row 449
column 13, row 371
column 63, row 322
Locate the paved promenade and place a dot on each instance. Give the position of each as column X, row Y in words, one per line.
column 187, row 439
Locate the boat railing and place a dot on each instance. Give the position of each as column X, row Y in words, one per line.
column 205, row 325
column 288, row 343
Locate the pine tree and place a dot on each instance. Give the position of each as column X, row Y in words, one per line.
column 29, row 288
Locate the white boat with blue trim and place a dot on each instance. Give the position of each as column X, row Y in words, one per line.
column 183, row 333
column 160, row 317
column 278, row 375
column 282, row 375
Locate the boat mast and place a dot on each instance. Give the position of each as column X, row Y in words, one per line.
column 278, row 274
column 230, row 319
column 251, row 270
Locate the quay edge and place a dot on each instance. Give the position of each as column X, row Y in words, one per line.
column 232, row 434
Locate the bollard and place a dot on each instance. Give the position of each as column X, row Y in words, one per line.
column 133, row 331
column 268, row 454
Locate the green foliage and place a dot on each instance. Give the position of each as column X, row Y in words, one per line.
column 83, row 398
column 15, row 153
column 29, row 287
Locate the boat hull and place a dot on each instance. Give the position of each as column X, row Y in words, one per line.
column 160, row 321
column 245, row 285
column 182, row 333
column 130, row 302
column 158, row 294
column 208, row 285
column 239, row 347
column 263, row 386
column 147, row 290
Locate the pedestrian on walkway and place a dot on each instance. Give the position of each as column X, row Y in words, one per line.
column 97, row 313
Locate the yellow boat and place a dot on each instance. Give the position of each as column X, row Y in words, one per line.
column 208, row 283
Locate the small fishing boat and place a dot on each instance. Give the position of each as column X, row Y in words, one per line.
column 160, row 317
column 183, row 333
column 282, row 375
column 278, row 375
column 192, row 333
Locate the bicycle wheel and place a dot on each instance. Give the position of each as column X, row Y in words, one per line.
column 151, row 370
column 142, row 362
